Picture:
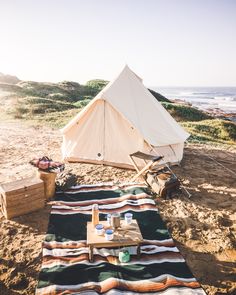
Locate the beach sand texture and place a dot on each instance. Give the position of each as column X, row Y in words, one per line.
column 204, row 227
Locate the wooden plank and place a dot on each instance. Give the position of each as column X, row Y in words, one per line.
column 26, row 200
column 8, row 201
column 26, row 207
column 21, row 185
column 22, row 190
column 30, row 190
column 29, row 195
column 141, row 172
column 22, row 210
column 135, row 166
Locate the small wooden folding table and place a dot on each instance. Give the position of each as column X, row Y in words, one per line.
column 126, row 235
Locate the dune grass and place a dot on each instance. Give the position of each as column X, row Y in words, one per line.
column 28, row 107
column 53, row 101
column 215, row 131
column 184, row 113
column 56, row 119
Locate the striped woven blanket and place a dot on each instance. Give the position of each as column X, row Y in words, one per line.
column 66, row 269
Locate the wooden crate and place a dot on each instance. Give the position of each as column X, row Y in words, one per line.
column 21, row 197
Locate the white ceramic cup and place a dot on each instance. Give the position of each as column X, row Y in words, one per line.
column 128, row 218
column 99, row 229
column 109, row 234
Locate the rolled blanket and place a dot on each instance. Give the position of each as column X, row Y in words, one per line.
column 47, row 165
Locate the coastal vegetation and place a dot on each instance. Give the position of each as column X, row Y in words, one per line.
column 55, row 104
column 185, row 113
column 215, row 131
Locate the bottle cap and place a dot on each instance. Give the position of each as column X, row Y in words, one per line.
column 109, row 231
column 99, row 226
column 128, row 215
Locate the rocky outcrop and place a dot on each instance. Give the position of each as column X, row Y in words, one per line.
column 8, row 79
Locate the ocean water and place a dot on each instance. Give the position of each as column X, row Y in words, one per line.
column 222, row 98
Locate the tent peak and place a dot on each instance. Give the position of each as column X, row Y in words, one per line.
column 127, row 70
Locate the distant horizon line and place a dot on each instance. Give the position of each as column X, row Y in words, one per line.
column 222, row 86
column 162, row 86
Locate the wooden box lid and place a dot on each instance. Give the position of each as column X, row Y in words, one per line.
column 18, row 185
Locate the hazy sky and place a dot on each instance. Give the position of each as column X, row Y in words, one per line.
column 167, row 43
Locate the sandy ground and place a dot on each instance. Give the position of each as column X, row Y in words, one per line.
column 204, row 227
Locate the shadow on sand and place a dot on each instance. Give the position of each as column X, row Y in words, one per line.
column 216, row 272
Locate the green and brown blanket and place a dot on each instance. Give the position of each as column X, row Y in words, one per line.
column 66, row 269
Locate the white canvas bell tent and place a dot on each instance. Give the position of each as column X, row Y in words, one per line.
column 122, row 119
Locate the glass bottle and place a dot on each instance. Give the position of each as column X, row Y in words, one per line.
column 95, row 215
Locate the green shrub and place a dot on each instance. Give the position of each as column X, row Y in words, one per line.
column 38, row 105
column 69, row 85
column 82, row 103
column 59, row 96
column 19, row 112
column 97, row 84
column 212, row 130
column 185, row 113
column 37, row 100
column 30, row 88
column 64, row 91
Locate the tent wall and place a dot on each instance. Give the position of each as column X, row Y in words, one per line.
column 121, row 138
column 113, row 138
column 172, row 153
column 102, row 135
column 86, row 138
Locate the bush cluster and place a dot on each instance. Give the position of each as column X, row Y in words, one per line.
column 216, row 130
column 185, row 113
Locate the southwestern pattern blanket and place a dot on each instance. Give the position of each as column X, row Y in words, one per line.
column 66, row 269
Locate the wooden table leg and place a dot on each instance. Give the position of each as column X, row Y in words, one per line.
column 138, row 251
column 90, row 253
